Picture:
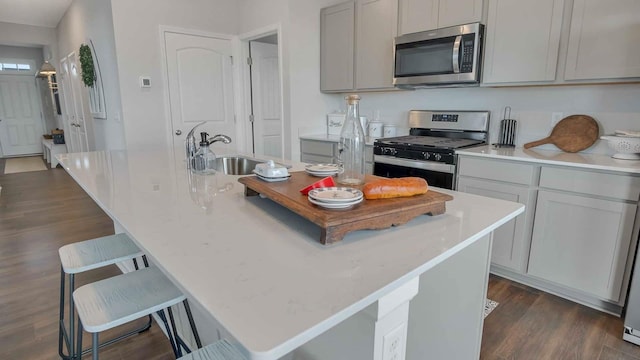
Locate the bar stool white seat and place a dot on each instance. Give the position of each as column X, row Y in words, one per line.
column 85, row 256
column 219, row 350
column 111, row 302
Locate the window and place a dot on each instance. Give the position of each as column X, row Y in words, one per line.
column 14, row 67
column 17, row 66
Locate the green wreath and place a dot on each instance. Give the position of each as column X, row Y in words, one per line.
column 86, row 64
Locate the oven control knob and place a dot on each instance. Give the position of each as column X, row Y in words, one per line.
column 425, row 155
column 438, row 157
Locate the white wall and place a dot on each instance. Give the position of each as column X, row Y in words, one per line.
column 138, row 46
column 27, row 35
column 613, row 106
column 305, row 105
column 91, row 19
column 22, row 52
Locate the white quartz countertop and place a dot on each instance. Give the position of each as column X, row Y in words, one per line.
column 552, row 157
column 257, row 267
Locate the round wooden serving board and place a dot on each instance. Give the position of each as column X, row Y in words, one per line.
column 572, row 134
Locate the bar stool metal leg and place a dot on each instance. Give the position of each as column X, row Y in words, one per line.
column 192, row 323
column 71, row 313
column 62, row 334
column 175, row 333
column 79, row 337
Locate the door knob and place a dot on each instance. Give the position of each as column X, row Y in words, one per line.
column 178, row 132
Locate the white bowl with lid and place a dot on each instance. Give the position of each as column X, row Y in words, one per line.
column 270, row 169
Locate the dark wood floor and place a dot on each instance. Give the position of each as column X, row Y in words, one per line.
column 43, row 210
column 39, row 212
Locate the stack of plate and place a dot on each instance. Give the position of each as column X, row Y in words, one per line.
column 271, row 179
column 322, row 170
column 335, row 197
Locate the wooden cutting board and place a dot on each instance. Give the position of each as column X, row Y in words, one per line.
column 335, row 224
column 572, row 134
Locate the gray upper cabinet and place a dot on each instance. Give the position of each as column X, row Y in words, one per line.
column 603, row 40
column 423, row 15
column 376, row 24
column 356, row 45
column 522, row 41
column 337, row 25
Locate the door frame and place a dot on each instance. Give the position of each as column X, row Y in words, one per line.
column 245, row 84
column 239, row 142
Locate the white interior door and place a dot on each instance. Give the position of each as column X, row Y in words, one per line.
column 68, row 112
column 265, row 89
column 200, row 81
column 80, row 123
column 21, row 124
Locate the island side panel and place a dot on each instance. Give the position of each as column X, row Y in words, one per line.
column 445, row 318
column 447, row 315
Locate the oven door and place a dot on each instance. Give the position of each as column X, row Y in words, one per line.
column 437, row 174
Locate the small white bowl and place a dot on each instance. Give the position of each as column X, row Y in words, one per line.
column 626, row 148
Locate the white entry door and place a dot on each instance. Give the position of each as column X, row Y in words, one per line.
column 199, row 72
column 21, row 125
column 265, row 90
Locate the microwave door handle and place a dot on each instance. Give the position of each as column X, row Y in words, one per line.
column 456, row 54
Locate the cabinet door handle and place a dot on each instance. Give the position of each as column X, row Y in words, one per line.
column 178, row 132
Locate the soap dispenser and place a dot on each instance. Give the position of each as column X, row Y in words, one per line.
column 205, row 159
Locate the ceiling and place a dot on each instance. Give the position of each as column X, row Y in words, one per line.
column 46, row 13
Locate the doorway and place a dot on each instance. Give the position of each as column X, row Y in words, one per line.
column 21, row 123
column 263, row 96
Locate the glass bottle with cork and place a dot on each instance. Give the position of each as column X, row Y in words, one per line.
column 351, row 147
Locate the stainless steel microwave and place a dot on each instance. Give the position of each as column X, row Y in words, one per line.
column 443, row 57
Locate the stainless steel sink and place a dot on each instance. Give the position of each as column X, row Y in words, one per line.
column 237, row 165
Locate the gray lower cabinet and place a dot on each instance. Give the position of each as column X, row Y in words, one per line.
column 325, row 152
column 578, row 234
column 582, row 236
column 317, row 151
column 510, row 241
column 582, row 242
column 507, row 181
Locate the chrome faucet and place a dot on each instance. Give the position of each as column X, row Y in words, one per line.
column 191, row 146
column 220, row 137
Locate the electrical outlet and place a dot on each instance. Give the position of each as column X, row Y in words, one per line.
column 556, row 117
column 393, row 344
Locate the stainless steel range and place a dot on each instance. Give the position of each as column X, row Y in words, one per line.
column 429, row 151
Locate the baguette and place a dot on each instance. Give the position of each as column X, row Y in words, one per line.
column 398, row 187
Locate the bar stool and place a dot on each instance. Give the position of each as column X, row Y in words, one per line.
column 219, row 350
column 111, row 302
column 89, row 255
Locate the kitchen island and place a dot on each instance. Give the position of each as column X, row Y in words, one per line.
column 256, row 274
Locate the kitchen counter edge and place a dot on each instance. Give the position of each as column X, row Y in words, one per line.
column 551, row 157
